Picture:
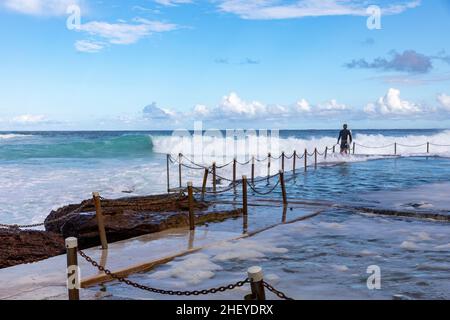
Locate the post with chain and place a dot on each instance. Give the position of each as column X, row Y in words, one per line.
column 73, row 274
column 255, row 274
column 205, row 180
column 168, row 177
column 234, row 172
column 180, row 156
column 294, row 159
column 315, row 158
column 283, row 187
column 306, row 159
column 214, row 176
column 395, row 148
column 100, row 222
column 354, row 146
column 268, row 166
column 253, row 170
column 282, row 160
column 244, row 204
column 326, row 153
column 191, row 206
column 428, row 147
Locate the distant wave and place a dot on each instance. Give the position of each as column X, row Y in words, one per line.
column 9, row 136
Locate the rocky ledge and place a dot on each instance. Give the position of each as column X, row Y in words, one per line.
column 124, row 218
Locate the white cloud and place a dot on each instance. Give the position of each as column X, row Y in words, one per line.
column 40, row 7
column 234, row 105
column 172, row 3
column 276, row 9
column 125, row 33
column 88, row 46
column 392, row 104
column 152, row 111
column 302, row 106
column 28, row 119
column 444, row 101
column 201, row 110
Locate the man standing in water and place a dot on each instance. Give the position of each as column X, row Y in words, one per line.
column 345, row 139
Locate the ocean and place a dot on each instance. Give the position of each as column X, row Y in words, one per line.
column 42, row 171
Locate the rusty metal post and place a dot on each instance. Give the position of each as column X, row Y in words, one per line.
column 255, row 275
column 306, row 158
column 282, row 160
column 168, row 176
column 428, row 147
column 294, row 157
column 234, row 171
column 244, row 204
column 268, row 166
column 100, row 222
column 73, row 271
column 283, row 187
column 191, row 206
column 315, row 158
column 354, row 146
column 326, row 152
column 395, row 148
column 334, row 149
column 205, row 180
column 253, row 170
column 179, row 168
column 214, row 176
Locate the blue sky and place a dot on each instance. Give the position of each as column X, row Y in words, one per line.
column 163, row 64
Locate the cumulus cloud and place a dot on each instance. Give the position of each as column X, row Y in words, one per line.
column 302, row 106
column 444, row 101
column 409, row 61
column 153, row 112
column 201, row 110
column 29, row 119
column 392, row 104
column 233, row 105
column 276, row 9
column 40, row 7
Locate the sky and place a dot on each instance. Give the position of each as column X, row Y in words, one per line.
column 164, row 64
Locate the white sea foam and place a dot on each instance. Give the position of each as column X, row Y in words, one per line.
column 10, row 136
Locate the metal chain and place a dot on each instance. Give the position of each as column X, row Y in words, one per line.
column 263, row 193
column 278, row 293
column 162, row 291
column 382, row 147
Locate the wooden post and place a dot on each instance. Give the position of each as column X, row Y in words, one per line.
column 100, row 222
column 191, row 206
column 395, row 148
column 268, row 166
column 244, row 204
column 255, row 275
column 205, row 179
column 326, row 152
column 306, row 158
column 294, row 157
column 428, row 147
column 73, row 275
column 179, row 168
column 253, row 170
column 234, row 172
column 315, row 158
column 354, row 145
column 168, row 176
column 283, row 187
column 282, row 160
column 214, row 176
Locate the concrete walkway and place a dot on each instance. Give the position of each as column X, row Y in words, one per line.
column 47, row 279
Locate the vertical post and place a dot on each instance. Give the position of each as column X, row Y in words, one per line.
column 282, row 160
column 306, row 158
column 205, row 179
column 179, row 168
column 395, row 148
column 334, row 149
column 354, row 146
column 283, row 187
column 268, row 166
column 100, row 222
column 315, row 158
column 191, row 206
column 294, row 157
column 428, row 147
column 168, row 176
column 244, row 204
column 255, row 275
column 253, row 170
column 214, row 176
column 73, row 275
column 326, row 152
column 234, row 172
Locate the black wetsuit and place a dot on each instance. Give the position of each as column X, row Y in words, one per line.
column 345, row 136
